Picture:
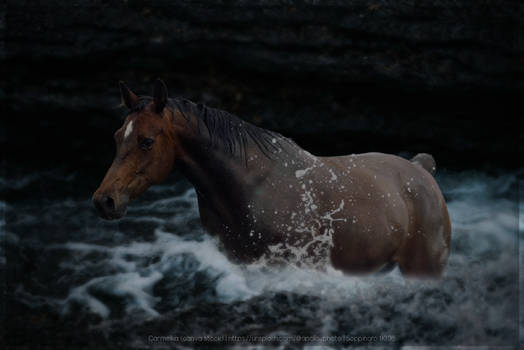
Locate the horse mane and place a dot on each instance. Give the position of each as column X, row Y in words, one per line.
column 226, row 130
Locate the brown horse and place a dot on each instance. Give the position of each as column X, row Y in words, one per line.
column 266, row 197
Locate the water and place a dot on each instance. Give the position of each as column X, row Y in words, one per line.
column 155, row 275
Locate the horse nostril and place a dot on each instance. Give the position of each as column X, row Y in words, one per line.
column 109, row 203
column 106, row 206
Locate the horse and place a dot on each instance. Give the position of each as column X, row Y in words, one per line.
column 264, row 196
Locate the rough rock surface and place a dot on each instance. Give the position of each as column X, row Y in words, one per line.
column 441, row 77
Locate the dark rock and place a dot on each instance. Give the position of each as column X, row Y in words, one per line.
column 441, row 77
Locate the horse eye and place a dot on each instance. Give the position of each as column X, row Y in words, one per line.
column 146, row 143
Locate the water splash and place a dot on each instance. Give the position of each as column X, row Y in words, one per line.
column 158, row 262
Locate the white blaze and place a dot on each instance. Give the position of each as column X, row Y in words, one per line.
column 129, row 129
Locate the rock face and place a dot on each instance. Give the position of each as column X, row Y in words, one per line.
column 441, row 77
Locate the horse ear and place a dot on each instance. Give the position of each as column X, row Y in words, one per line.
column 159, row 95
column 127, row 96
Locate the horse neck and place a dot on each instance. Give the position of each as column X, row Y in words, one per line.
column 207, row 168
column 219, row 176
column 213, row 172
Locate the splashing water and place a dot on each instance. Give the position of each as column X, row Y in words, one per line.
column 157, row 269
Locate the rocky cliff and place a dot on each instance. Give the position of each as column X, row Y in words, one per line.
column 442, row 77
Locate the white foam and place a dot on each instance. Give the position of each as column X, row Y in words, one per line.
column 234, row 282
column 333, row 175
column 482, row 225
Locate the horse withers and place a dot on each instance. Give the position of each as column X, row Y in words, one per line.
column 265, row 197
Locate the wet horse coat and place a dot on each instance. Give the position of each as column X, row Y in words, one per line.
column 266, row 197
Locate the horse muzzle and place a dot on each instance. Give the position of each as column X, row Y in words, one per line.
column 110, row 207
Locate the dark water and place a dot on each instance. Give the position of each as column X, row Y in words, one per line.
column 74, row 280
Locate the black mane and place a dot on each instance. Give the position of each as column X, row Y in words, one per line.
column 226, row 130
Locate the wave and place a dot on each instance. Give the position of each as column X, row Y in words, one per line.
column 158, row 261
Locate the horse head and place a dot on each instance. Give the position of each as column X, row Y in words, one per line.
column 146, row 148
